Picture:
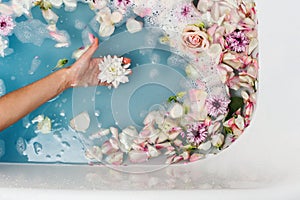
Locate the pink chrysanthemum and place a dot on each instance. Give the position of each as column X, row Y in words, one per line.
column 6, row 25
column 217, row 106
column 237, row 41
column 197, row 133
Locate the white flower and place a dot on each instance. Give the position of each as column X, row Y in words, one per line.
column 107, row 21
column 3, row 46
column 113, row 72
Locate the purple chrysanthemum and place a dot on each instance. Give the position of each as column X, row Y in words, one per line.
column 217, row 106
column 185, row 10
column 197, row 133
column 237, row 41
column 6, row 25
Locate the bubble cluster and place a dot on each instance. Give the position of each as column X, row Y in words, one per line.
column 2, row 148
column 2, row 88
column 21, row 145
column 32, row 31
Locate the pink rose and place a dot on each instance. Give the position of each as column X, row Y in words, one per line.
column 195, row 39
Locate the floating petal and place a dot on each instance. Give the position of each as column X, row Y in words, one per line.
column 81, row 122
column 133, row 25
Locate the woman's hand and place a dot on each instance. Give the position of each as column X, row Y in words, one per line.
column 84, row 72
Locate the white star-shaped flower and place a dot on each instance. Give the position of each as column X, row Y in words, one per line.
column 113, row 71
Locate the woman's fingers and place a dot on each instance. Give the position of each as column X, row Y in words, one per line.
column 92, row 49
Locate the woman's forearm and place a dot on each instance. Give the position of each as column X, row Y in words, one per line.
column 19, row 103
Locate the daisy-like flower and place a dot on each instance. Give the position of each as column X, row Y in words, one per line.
column 217, row 106
column 237, row 41
column 6, row 25
column 3, row 46
column 113, row 71
column 197, row 133
column 107, row 20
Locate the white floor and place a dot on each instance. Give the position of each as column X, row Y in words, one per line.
column 267, row 156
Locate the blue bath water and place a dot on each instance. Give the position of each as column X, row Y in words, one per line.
column 21, row 144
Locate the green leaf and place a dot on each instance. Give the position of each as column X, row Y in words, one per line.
column 228, row 130
column 172, row 99
column 200, row 25
column 60, row 63
column 235, row 104
column 176, row 98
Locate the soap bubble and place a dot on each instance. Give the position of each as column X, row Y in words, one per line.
column 37, row 148
column 21, row 145
column 176, row 61
column 79, row 25
column 36, row 62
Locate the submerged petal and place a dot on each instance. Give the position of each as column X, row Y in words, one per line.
column 138, row 156
column 115, row 158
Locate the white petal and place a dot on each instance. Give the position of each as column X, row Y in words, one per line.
column 196, row 157
column 153, row 152
column 162, row 137
column 138, row 156
column 127, row 137
column 106, row 30
column 114, row 131
column 116, row 17
column 81, row 122
column 50, row 16
column 215, row 11
column 6, row 10
column 176, row 111
column 133, row 25
column 239, row 121
column 94, row 153
column 253, row 44
column 70, row 5
column 109, row 148
column 115, row 158
column 205, row 146
column 61, row 45
column 56, row 3
column 217, row 140
column 78, row 53
column 44, row 126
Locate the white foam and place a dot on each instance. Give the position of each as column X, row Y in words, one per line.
column 2, row 88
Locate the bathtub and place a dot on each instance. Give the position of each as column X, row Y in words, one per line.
column 263, row 164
